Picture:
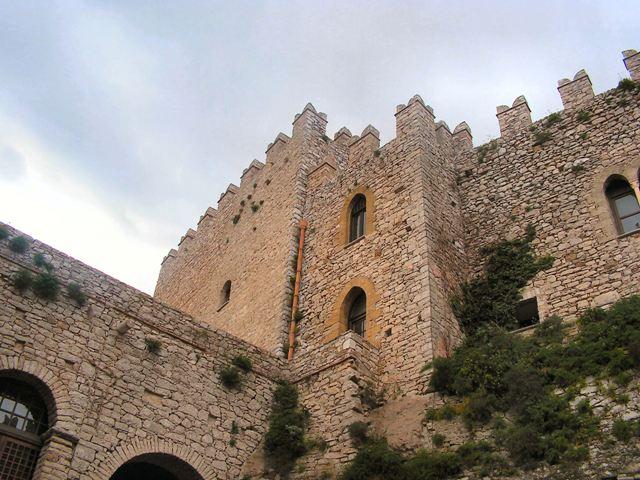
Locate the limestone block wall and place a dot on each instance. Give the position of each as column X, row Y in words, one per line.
column 403, row 262
column 248, row 240
column 113, row 398
column 558, row 187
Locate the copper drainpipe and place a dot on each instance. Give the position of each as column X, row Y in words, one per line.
column 296, row 290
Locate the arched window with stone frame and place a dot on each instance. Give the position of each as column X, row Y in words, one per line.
column 357, row 317
column 24, row 419
column 624, row 205
column 357, row 217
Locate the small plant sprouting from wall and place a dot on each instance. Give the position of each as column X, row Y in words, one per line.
column 540, row 137
column 243, row 363
column 627, row 85
column 40, row 261
column 376, row 153
column 492, row 298
column 230, row 377
column 578, row 168
column 4, row 233
column 583, row 116
column 235, row 219
column 75, row 292
column 359, row 433
column 152, row 345
column 552, row 119
column 288, row 421
column 46, row 286
column 298, row 316
column 18, row 244
column 255, row 207
column 485, row 149
column 267, row 181
column 234, row 428
column 22, row 280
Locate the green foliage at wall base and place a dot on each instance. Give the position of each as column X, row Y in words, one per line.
column 284, row 441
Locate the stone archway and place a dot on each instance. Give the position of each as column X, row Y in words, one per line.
column 156, row 466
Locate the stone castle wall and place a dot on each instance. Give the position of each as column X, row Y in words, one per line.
column 558, row 187
column 255, row 253
column 113, row 399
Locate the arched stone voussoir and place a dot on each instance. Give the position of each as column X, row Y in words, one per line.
column 128, row 451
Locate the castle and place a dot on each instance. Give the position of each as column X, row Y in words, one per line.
column 332, row 265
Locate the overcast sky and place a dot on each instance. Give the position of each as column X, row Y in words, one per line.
column 122, row 121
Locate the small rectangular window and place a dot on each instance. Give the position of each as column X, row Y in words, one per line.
column 527, row 312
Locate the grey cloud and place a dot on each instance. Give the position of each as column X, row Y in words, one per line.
column 12, row 163
column 157, row 106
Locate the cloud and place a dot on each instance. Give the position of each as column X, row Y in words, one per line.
column 12, row 163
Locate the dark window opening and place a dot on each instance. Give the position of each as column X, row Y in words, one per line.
column 624, row 205
column 225, row 294
column 527, row 313
column 358, row 314
column 23, row 418
column 358, row 217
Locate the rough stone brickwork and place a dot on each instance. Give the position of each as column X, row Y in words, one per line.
column 432, row 202
column 255, row 252
column 111, row 398
column 559, row 188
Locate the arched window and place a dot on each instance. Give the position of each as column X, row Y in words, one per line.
column 624, row 205
column 23, row 419
column 225, row 293
column 357, row 219
column 357, row 317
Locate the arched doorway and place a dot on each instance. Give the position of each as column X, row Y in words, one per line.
column 156, row 466
column 26, row 413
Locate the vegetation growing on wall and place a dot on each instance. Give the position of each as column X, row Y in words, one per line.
column 492, row 298
column 284, row 441
column 527, row 385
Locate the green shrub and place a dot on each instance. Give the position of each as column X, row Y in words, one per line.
column 479, row 409
column 446, row 412
column 284, row 441
column 432, row 466
column 541, row 136
column 4, row 232
column 553, row 119
column 243, row 363
column 152, row 345
column 234, row 428
column 473, row 453
column 22, row 280
column 359, row 433
column 254, row 207
column 627, row 85
column 375, row 460
column 438, row 440
column 46, row 286
column 235, row 219
column 493, row 297
column 18, row 244
column 623, row 431
column 583, row 116
column 578, row 168
column 40, row 261
column 370, row 398
column 75, row 293
column 230, row 377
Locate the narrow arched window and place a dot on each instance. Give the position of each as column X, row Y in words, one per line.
column 225, row 294
column 23, row 421
column 624, row 205
column 358, row 313
column 358, row 216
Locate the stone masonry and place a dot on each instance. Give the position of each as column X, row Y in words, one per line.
column 432, row 203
